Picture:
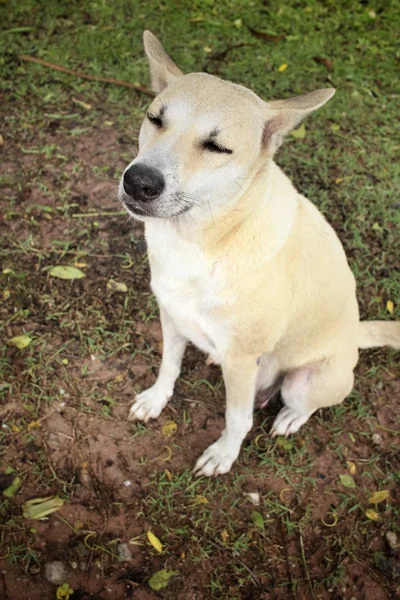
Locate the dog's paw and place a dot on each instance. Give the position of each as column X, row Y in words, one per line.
column 148, row 404
column 217, row 459
column 288, row 421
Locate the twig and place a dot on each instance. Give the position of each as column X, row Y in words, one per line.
column 43, row 63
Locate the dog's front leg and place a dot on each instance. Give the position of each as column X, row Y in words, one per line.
column 150, row 403
column 240, row 374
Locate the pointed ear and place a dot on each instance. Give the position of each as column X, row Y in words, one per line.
column 284, row 115
column 162, row 69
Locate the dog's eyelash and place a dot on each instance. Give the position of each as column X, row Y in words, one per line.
column 214, row 147
column 156, row 121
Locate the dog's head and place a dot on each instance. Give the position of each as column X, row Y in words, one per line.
column 203, row 140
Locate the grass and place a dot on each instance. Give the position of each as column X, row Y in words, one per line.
column 65, row 396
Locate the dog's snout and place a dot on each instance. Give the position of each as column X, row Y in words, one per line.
column 143, row 183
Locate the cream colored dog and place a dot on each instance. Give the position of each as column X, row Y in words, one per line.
column 242, row 265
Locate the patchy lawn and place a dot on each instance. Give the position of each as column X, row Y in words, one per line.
column 294, row 519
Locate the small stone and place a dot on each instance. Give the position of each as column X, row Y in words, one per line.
column 73, row 564
column 254, row 498
column 391, row 539
column 127, row 483
column 55, row 572
column 377, row 439
column 124, row 552
column 34, row 570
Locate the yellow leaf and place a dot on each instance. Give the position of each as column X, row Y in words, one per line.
column 372, row 514
column 117, row 286
column 201, row 500
column 169, row 428
column 154, row 541
column 15, row 428
column 207, row 49
column 168, row 474
column 80, row 265
column 351, row 466
column 33, row 425
column 224, row 535
column 282, row 68
column 84, row 105
column 6, row 294
column 390, row 306
column 20, row 341
column 377, row 497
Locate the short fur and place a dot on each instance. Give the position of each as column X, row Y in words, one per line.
column 242, row 265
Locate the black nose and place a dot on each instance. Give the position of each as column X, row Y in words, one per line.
column 143, row 183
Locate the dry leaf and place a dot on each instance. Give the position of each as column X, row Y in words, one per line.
column 224, row 536
column 82, row 104
column 378, row 497
column 154, row 541
column 324, row 61
column 117, row 286
column 372, row 514
column 282, row 67
column 351, row 466
column 169, row 428
column 168, row 474
column 267, row 37
column 201, row 500
column 20, row 341
column 390, row 306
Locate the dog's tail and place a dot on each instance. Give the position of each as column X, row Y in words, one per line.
column 374, row 334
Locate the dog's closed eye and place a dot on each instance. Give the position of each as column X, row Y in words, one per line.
column 154, row 120
column 212, row 146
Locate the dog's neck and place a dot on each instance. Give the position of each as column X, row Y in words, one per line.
column 265, row 206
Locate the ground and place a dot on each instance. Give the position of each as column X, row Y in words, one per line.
column 295, row 518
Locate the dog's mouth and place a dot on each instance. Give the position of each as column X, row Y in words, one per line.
column 175, row 208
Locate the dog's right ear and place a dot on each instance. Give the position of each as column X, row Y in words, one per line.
column 162, row 69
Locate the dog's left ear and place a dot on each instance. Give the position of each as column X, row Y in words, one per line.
column 162, row 69
column 283, row 115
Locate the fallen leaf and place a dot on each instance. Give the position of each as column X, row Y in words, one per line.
column 378, row 497
column 284, row 443
column 62, row 272
column 267, row 37
column 258, row 520
column 160, row 580
column 352, row 467
column 238, row 23
column 335, row 127
column 6, row 294
column 80, row 265
column 7, row 271
column 324, row 61
column 154, row 541
column 347, row 481
column 84, row 105
column 63, row 592
column 20, row 341
column 168, row 474
column 169, row 428
column 117, row 286
column 372, row 514
column 224, row 536
column 38, row 508
column 201, row 500
column 1, row 140
column 13, row 488
column 282, row 67
column 254, row 498
column 33, row 425
column 300, row 132
column 390, row 306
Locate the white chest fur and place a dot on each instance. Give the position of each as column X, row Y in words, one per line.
column 188, row 285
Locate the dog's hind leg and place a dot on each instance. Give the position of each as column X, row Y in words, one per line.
column 311, row 387
column 150, row 403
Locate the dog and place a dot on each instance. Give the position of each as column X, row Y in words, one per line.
column 242, row 265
